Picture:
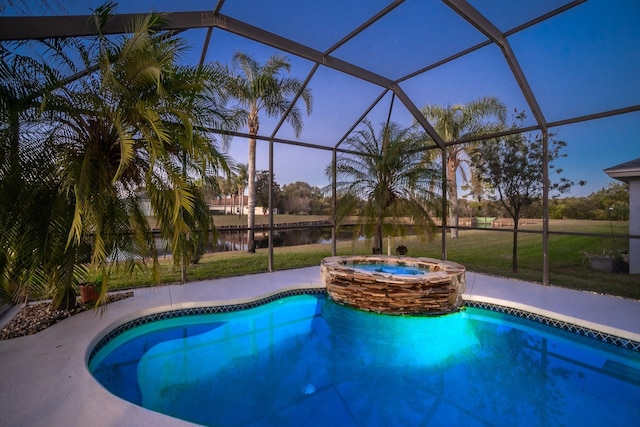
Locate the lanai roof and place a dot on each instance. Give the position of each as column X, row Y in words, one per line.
column 571, row 65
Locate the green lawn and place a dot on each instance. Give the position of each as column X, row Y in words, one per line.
column 484, row 251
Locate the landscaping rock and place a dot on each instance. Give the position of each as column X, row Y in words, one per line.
column 36, row 317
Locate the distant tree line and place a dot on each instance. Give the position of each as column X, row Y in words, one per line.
column 297, row 198
column 608, row 203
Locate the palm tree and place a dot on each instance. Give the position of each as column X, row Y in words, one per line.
column 144, row 127
column 35, row 217
column 262, row 89
column 34, row 214
column 136, row 122
column 241, row 180
column 390, row 178
column 224, row 191
column 477, row 117
column 230, row 185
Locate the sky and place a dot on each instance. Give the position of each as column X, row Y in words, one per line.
column 581, row 62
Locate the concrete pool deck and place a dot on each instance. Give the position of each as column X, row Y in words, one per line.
column 44, row 380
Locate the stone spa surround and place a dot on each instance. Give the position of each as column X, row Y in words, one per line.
column 354, row 281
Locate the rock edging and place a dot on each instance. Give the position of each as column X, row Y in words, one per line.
column 438, row 291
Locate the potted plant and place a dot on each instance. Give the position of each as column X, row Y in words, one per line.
column 621, row 262
column 600, row 261
column 90, row 291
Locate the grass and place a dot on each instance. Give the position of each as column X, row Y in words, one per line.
column 483, row 251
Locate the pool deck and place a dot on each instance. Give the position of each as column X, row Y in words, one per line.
column 44, row 380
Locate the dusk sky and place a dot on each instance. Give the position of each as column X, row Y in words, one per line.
column 583, row 61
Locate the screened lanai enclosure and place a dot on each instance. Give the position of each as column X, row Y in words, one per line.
column 563, row 70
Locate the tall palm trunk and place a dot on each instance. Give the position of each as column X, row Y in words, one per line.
column 251, row 220
column 452, row 167
column 377, row 244
column 253, row 124
column 234, row 202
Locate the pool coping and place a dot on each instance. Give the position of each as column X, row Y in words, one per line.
column 608, row 335
column 45, row 380
column 189, row 309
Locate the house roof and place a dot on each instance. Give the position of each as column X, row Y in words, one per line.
column 625, row 171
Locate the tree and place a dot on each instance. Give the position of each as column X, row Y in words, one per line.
column 475, row 118
column 224, row 191
column 35, row 217
column 608, row 203
column 262, row 89
column 262, row 191
column 320, row 205
column 387, row 178
column 30, row 211
column 34, row 212
column 301, row 198
column 612, row 201
column 133, row 120
column 241, row 180
column 512, row 170
column 573, row 207
column 145, row 125
column 209, row 188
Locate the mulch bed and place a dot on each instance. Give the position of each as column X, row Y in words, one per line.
column 36, row 317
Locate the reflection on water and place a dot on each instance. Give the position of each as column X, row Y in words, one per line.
column 236, row 240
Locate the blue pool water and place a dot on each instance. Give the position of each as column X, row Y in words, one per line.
column 389, row 268
column 306, row 361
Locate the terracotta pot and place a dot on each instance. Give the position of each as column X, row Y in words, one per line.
column 88, row 293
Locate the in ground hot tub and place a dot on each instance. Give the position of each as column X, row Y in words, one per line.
column 394, row 284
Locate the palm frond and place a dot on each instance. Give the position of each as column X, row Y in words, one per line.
column 389, row 178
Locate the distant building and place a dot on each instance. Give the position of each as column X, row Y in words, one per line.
column 223, row 206
column 231, row 205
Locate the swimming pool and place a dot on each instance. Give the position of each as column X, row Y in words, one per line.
column 305, row 361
